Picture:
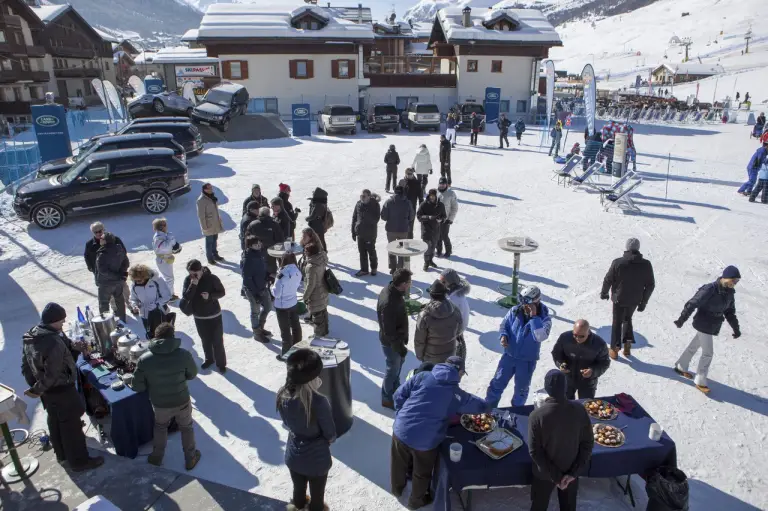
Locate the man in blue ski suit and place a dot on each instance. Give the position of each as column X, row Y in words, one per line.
column 522, row 331
column 757, row 161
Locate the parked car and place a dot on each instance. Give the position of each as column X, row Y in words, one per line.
column 466, row 110
column 160, row 118
column 169, row 102
column 185, row 133
column 221, row 104
column 421, row 115
column 336, row 118
column 116, row 142
column 148, row 176
column 381, row 117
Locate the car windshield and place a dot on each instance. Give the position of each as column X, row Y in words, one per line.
column 74, row 171
column 469, row 109
column 384, row 110
column 218, row 97
column 427, row 109
column 342, row 110
column 83, row 150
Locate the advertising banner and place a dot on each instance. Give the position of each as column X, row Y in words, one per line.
column 196, row 83
column 590, row 96
column 153, row 84
column 114, row 97
column 98, row 87
column 196, row 70
column 301, row 120
column 52, row 132
column 549, row 72
column 492, row 99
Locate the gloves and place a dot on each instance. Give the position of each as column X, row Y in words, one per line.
column 176, row 248
column 604, row 296
column 448, row 222
column 354, row 237
column 430, row 171
column 641, row 307
column 736, row 334
column 297, row 211
column 679, row 323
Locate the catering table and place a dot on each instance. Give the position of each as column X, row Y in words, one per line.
column 133, row 419
column 517, row 245
column 278, row 250
column 475, row 470
column 406, row 249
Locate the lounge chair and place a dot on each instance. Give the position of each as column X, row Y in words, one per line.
column 563, row 174
column 622, row 199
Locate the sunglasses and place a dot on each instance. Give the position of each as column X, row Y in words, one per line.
column 527, row 300
column 582, row 336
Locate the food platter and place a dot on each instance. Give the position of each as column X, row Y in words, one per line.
column 601, row 410
column 608, row 436
column 498, row 443
column 480, row 423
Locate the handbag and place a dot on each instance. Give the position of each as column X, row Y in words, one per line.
column 331, row 282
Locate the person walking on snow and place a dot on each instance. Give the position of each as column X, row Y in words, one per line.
column 111, row 274
column 210, row 222
column 412, row 191
column 450, row 128
column 503, row 123
column 758, row 159
column 365, row 221
column 392, row 160
column 91, row 249
column 445, row 158
column 398, row 214
column 475, row 124
column 448, row 197
column 293, row 214
column 583, row 357
column 256, row 286
column 458, row 289
column 631, row 282
column 165, row 246
column 200, row 297
column 438, row 327
column 519, row 130
column 149, row 298
column 393, row 332
column 286, row 286
column 713, row 303
column 422, row 165
column 762, row 184
column 431, row 214
column 522, row 331
column 255, row 196
column 557, row 135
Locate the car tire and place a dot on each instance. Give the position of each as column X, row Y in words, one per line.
column 158, row 106
column 155, row 202
column 224, row 127
column 48, row 216
column 410, row 126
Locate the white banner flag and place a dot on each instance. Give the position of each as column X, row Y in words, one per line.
column 549, row 72
column 113, row 97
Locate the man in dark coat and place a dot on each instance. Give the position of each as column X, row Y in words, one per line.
column 398, row 214
column 560, row 442
column 474, row 125
column 251, row 215
column 412, row 190
column 255, row 284
column 293, row 214
column 48, row 366
column 111, row 274
column 445, row 158
column 392, row 160
column 281, row 216
column 631, row 282
column 269, row 232
column 92, row 247
column 393, row 332
column 583, row 357
column 365, row 220
column 255, row 196
column 200, row 297
column 431, row 213
column 318, row 210
column 503, row 123
column 713, row 303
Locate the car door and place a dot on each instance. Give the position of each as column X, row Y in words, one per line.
column 92, row 188
column 127, row 176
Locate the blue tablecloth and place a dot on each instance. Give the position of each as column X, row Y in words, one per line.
column 475, row 469
column 132, row 416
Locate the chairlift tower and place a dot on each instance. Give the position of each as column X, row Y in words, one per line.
column 686, row 42
column 747, row 37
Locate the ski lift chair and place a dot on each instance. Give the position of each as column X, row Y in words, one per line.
column 563, row 174
column 622, row 199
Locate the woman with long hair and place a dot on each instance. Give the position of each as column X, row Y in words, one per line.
column 149, row 297
column 307, row 416
column 287, row 282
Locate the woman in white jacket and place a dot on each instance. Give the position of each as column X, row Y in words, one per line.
column 165, row 246
column 422, row 164
column 458, row 289
column 149, row 297
column 287, row 282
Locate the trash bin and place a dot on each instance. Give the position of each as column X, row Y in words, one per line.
column 667, row 490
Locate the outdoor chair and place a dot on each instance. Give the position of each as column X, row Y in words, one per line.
column 563, row 174
column 577, row 181
column 622, row 199
column 614, row 188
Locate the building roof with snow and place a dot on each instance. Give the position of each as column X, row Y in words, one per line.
column 145, row 57
column 189, row 36
column 689, row 68
column 251, row 21
column 421, row 30
column 397, row 30
column 357, row 14
column 108, row 37
column 183, row 55
column 48, row 13
column 522, row 27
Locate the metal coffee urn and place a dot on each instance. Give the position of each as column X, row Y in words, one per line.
column 103, row 325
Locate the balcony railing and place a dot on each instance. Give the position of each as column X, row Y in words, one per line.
column 409, row 64
column 9, row 48
column 36, row 51
column 68, row 51
column 76, row 72
column 18, row 75
column 11, row 20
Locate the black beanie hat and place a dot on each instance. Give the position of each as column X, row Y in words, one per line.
column 438, row 290
column 731, row 272
column 304, row 365
column 52, row 313
column 555, row 384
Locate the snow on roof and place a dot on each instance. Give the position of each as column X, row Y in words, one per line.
column 413, row 48
column 421, row 29
column 190, row 35
column 145, row 57
column 107, row 37
column 183, row 55
column 351, row 13
column 534, row 28
column 250, row 21
column 692, row 69
column 48, row 13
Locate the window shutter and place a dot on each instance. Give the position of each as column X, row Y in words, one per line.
column 310, row 69
column 226, row 70
column 352, row 73
column 244, row 69
column 292, row 68
column 334, row 69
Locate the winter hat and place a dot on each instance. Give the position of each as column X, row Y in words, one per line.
column 391, row 147
column 432, row 191
column 730, row 272
column 253, row 206
column 438, row 290
column 456, row 362
column 555, row 384
column 256, row 187
column 52, row 313
column 304, row 365
column 443, row 181
column 633, row 244
column 399, row 190
column 284, row 188
column 450, row 277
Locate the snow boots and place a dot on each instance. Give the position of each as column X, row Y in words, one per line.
column 191, row 463
column 627, row 349
column 614, row 354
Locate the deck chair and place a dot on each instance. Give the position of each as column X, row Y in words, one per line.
column 622, row 199
column 577, row 181
column 563, row 175
column 614, row 188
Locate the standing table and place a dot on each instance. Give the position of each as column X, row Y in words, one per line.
column 517, row 245
column 11, row 407
column 406, row 249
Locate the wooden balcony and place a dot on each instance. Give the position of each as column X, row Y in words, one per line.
column 36, row 51
column 18, row 75
column 68, row 51
column 11, row 20
column 76, row 72
column 414, row 80
column 411, row 71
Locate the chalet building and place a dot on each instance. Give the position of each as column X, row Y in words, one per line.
column 23, row 78
column 182, row 64
column 686, row 72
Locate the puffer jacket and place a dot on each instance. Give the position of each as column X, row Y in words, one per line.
column 193, row 304
column 520, row 126
column 503, row 125
column 315, row 291
column 162, row 244
column 254, row 270
column 630, row 280
column 365, row 219
column 412, row 190
column 47, row 360
column 430, row 214
column 284, row 221
column 458, row 290
column 713, row 303
column 286, row 286
column 92, row 247
column 208, row 216
column 164, row 371
column 437, row 328
column 425, row 404
column 152, row 295
column 269, row 231
column 288, row 207
column 318, row 208
column 525, row 335
column 393, row 319
column 111, row 264
column 422, row 162
column 392, row 159
column 397, row 214
column 450, row 202
column 758, row 158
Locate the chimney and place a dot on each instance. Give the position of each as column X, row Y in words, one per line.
column 360, row 13
column 465, row 21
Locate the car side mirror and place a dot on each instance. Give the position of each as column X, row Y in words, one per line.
column 82, row 179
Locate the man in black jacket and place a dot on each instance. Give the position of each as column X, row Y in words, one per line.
column 318, row 210
column 583, row 357
column 92, row 246
column 256, row 287
column 393, row 332
column 412, row 191
column 48, row 366
column 398, row 214
column 713, row 303
column 255, row 196
column 392, row 160
column 431, row 214
column 111, row 274
column 269, row 232
column 293, row 214
column 560, row 442
column 365, row 221
column 251, row 215
column 474, row 125
column 280, row 215
column 631, row 282
column 503, row 123
column 445, row 158
column 200, row 297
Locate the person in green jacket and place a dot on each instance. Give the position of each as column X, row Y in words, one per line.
column 164, row 371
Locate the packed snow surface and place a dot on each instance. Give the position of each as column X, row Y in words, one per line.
column 693, row 224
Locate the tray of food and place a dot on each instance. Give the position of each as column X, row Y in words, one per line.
column 480, row 423
column 498, row 443
column 601, row 410
column 608, row 436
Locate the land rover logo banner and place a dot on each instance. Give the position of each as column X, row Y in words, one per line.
column 301, row 120
column 52, row 132
column 492, row 98
column 590, row 96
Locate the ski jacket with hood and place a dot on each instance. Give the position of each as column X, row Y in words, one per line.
column 503, row 125
column 164, row 371
column 268, row 230
column 47, row 360
column 315, row 290
column 437, row 327
column 365, row 219
column 425, row 404
column 154, row 294
column 397, row 214
column 254, row 272
column 392, row 159
column 162, row 244
column 287, row 282
column 525, row 334
column 450, row 203
column 193, row 304
column 422, row 162
column 519, row 126
column 758, row 158
column 630, row 280
column 430, row 214
column 713, row 303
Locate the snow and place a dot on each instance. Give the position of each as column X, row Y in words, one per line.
column 145, row 57
column 48, row 13
column 107, row 37
column 701, row 227
column 694, row 69
column 533, row 27
column 183, row 55
column 190, row 35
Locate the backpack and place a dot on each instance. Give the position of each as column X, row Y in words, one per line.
column 553, row 133
column 328, row 220
column 331, row 282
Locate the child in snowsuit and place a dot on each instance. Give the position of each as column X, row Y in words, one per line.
column 165, row 246
column 519, row 130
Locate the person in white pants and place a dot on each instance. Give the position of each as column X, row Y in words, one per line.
column 165, row 246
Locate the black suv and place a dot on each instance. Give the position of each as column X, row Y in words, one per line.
column 465, row 111
column 185, row 133
column 221, row 104
column 165, row 118
column 150, row 177
column 381, row 117
column 113, row 143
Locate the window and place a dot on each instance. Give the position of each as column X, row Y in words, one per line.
column 17, row 93
column 2, row 37
column 495, row 66
column 97, row 172
column 24, row 65
column 343, row 69
column 309, row 25
column 126, row 169
column 6, row 64
column 504, row 106
column 304, row 69
column 235, row 71
column 36, row 92
column 301, row 69
column 522, row 106
column 471, row 66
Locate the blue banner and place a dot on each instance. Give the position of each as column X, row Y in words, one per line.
column 153, row 84
column 301, row 120
column 50, row 122
column 590, row 96
column 492, row 99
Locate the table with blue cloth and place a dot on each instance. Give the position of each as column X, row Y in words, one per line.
column 476, row 470
column 133, row 419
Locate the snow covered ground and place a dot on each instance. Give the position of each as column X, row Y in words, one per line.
column 701, row 226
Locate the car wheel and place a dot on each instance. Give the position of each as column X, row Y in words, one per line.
column 189, row 112
column 158, row 106
column 48, row 216
column 155, row 201
column 410, row 126
column 224, row 126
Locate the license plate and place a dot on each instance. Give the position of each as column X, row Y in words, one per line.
column 205, row 122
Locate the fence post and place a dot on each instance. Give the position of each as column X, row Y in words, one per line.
column 666, row 187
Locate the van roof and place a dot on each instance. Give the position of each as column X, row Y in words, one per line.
column 144, row 120
column 228, row 87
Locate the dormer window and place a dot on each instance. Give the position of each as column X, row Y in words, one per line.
column 309, row 25
column 501, row 21
column 308, row 21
